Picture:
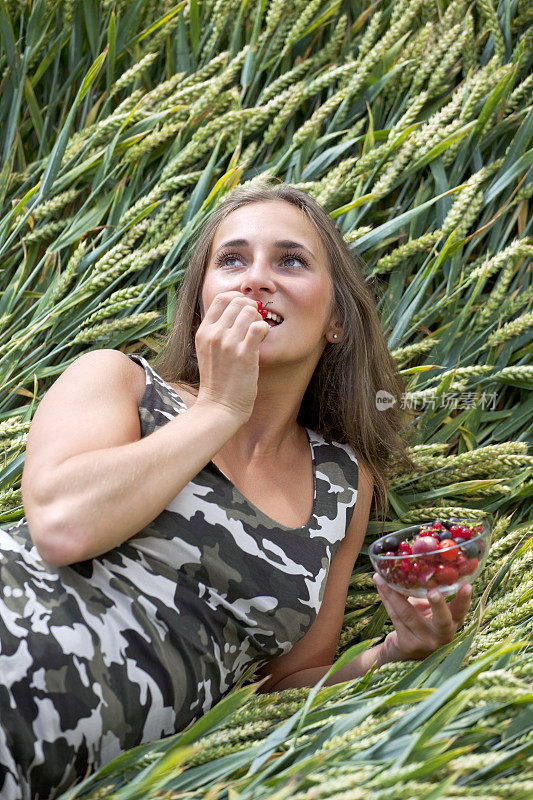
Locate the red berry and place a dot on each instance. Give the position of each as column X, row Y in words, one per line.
column 388, row 553
column 437, row 526
column 456, row 530
column 461, row 564
column 446, row 574
column 424, row 573
column 404, row 549
column 449, row 550
column 425, row 544
column 472, row 565
column 261, row 310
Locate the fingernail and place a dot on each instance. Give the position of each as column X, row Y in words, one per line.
column 434, row 595
column 378, row 580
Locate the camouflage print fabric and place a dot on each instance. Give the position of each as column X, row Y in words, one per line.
column 131, row 646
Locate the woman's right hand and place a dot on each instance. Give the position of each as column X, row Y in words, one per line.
column 227, row 349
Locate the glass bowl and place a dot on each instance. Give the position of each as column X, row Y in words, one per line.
column 438, row 554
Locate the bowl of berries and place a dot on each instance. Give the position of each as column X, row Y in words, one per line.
column 440, row 554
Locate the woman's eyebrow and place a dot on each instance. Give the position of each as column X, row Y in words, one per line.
column 281, row 243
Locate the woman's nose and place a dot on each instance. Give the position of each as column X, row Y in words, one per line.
column 258, row 276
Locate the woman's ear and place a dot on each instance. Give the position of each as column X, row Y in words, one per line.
column 334, row 334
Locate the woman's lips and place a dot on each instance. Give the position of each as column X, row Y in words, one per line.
column 264, row 311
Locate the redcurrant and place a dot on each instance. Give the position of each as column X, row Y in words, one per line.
column 261, row 310
column 404, row 549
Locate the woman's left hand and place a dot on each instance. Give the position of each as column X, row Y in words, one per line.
column 421, row 626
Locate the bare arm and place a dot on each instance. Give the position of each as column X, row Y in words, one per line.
column 306, row 662
column 421, row 627
column 91, row 482
column 104, row 496
column 355, row 668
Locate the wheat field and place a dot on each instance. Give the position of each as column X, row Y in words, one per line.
column 124, row 124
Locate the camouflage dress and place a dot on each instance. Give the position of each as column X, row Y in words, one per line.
column 131, row 646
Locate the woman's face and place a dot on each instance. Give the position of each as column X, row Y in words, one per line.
column 291, row 280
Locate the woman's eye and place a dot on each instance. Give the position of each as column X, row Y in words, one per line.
column 226, row 259
column 292, row 258
column 223, row 258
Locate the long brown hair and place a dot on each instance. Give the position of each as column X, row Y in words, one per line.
column 340, row 399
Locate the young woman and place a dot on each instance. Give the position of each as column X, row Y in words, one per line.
column 186, row 521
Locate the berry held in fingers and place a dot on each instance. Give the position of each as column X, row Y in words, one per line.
column 261, row 310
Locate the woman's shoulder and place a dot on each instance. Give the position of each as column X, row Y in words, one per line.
column 138, row 378
column 335, row 443
column 366, row 477
column 187, row 393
